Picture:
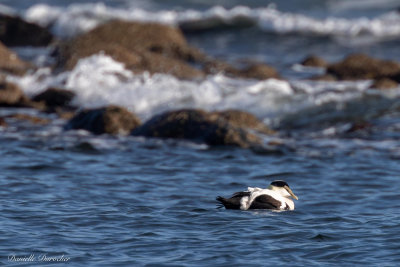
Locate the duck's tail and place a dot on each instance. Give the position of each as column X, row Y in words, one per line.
column 229, row 203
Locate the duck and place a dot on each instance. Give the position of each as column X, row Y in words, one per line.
column 278, row 196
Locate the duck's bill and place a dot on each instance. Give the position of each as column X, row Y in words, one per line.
column 291, row 193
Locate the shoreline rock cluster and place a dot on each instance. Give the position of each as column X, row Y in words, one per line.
column 384, row 73
column 211, row 128
column 156, row 48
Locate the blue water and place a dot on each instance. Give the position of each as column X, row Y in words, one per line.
column 142, row 203
column 128, row 201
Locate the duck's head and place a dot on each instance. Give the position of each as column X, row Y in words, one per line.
column 283, row 188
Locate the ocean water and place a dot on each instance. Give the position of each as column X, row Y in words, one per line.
column 129, row 201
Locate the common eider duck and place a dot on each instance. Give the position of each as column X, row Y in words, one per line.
column 276, row 197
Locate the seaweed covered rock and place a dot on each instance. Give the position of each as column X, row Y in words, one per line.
column 152, row 47
column 54, row 97
column 384, row 83
column 140, row 46
column 14, row 31
column 363, row 67
column 314, row 61
column 244, row 119
column 257, row 71
column 10, row 62
column 110, row 120
column 212, row 128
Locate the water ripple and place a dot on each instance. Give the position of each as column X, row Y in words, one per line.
column 156, row 206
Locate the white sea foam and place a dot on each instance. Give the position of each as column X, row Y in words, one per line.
column 78, row 18
column 99, row 80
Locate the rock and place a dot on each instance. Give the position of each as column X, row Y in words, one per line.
column 395, row 77
column 384, row 83
column 65, row 114
column 157, row 63
column 12, row 96
column 199, row 126
column 244, row 119
column 152, row 37
column 14, row 31
column 70, row 53
column 258, row 71
column 363, row 67
column 54, row 97
column 214, row 66
column 140, row 46
column 152, row 47
column 3, row 123
column 10, row 62
column 314, row 61
column 110, row 120
column 359, row 126
column 29, row 118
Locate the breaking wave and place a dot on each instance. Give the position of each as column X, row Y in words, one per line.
column 99, row 80
column 78, row 18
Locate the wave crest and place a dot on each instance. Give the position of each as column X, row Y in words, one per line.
column 77, row 18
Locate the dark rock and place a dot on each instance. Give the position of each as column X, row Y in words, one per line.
column 54, row 97
column 314, row 61
column 14, row 31
column 359, row 126
column 395, row 77
column 359, row 66
column 3, row 123
column 384, row 83
column 10, row 62
column 110, row 120
column 140, row 46
column 199, row 126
